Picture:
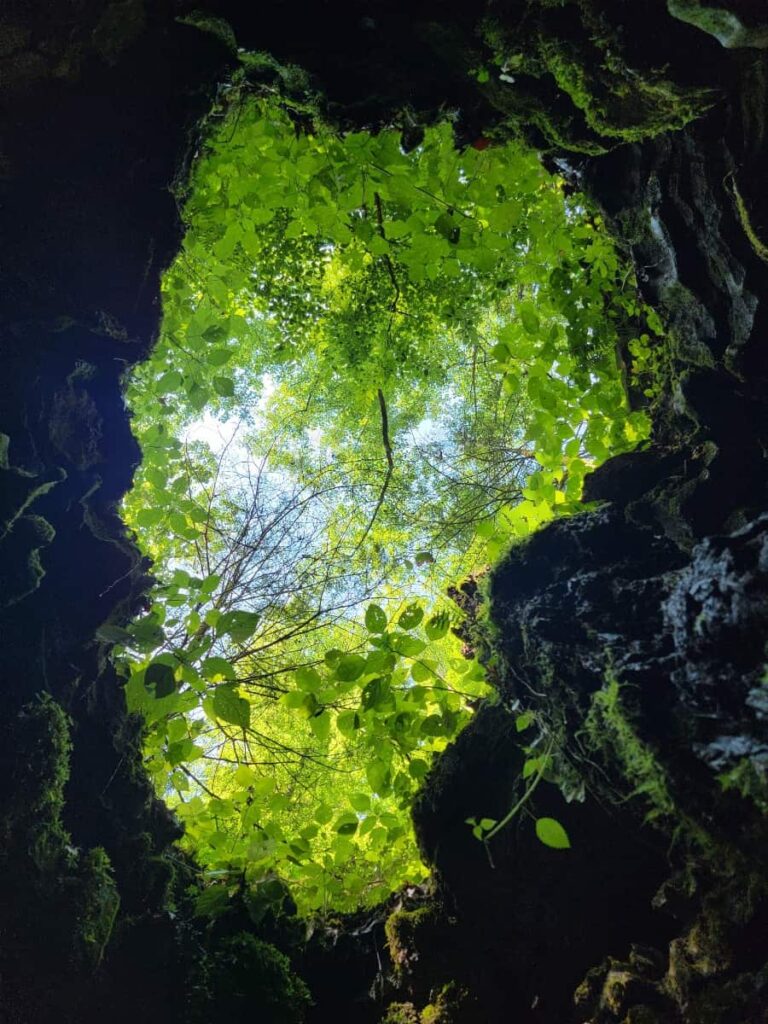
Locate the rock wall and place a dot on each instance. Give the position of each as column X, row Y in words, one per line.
column 636, row 630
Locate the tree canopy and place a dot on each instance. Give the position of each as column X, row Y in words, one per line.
column 377, row 369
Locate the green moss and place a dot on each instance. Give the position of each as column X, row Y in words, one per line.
column 40, row 769
column 618, row 104
column 761, row 249
column 95, row 907
column 409, row 934
column 217, row 27
column 578, row 90
column 642, row 1015
column 608, row 726
column 67, row 895
column 689, row 326
column 248, row 980
column 401, row 1013
column 75, row 426
column 540, row 120
column 750, row 780
column 446, row 1007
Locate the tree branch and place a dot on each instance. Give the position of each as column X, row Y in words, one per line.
column 390, row 466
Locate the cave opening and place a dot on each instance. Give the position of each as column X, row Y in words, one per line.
column 625, row 636
column 379, row 365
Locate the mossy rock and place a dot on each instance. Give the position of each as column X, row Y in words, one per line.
column 410, row 933
column 565, row 76
column 401, row 1013
column 70, row 899
column 246, row 979
column 40, row 745
column 446, row 1007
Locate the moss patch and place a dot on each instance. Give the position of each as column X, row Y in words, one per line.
column 409, row 934
column 68, row 895
column 247, row 979
column 564, row 74
column 608, row 725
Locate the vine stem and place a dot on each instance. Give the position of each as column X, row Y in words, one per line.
column 525, row 797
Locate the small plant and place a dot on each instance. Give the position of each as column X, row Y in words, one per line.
column 549, row 831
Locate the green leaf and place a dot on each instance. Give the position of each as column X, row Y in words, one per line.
column 333, row 657
column 240, row 625
column 380, row 661
column 346, row 824
column 421, row 672
column 323, row 814
column 230, row 707
column 350, row 667
column 409, row 646
column 219, row 356
column 171, row 381
column 529, row 318
column 551, row 833
column 183, row 751
column 360, row 801
column 432, row 725
column 411, row 617
column 307, row 679
column 160, row 678
column 224, row 386
column 375, row 619
column 378, row 776
column 301, row 700
column 321, row 725
column 417, row 768
column 244, row 776
column 348, row 722
column 212, row 902
column 438, row 626
column 197, row 396
column 210, row 583
column 377, row 694
column 524, row 721
column 217, row 668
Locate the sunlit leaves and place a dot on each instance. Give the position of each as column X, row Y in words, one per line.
column 552, row 834
column 240, row 625
column 437, row 626
column 411, row 617
column 320, row 724
column 350, row 667
column 216, row 668
column 375, row 619
column 524, row 721
column 318, row 272
column 230, row 707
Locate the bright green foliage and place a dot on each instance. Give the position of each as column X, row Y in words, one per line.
column 412, row 360
column 552, row 833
